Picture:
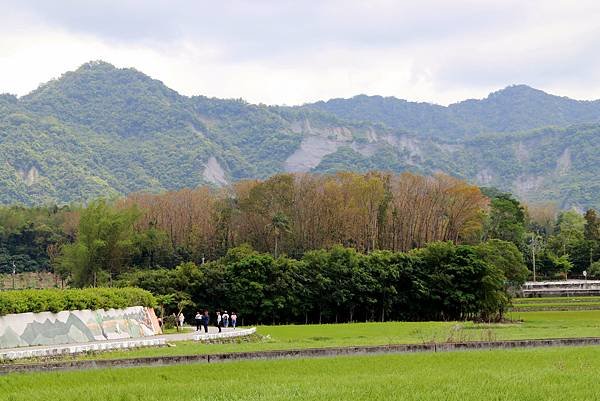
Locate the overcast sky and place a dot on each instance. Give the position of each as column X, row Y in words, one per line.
column 291, row 52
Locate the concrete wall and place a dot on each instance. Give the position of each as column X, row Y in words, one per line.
column 47, row 328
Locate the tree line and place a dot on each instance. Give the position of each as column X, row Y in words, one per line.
column 562, row 245
column 441, row 281
column 294, row 213
column 291, row 214
column 286, row 214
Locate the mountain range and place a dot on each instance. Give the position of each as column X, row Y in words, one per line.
column 102, row 131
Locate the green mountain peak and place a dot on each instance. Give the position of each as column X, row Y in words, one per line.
column 104, row 131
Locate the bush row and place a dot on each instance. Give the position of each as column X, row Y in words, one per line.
column 56, row 300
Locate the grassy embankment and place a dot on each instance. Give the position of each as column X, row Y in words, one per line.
column 534, row 374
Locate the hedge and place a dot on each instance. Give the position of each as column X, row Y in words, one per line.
column 56, row 300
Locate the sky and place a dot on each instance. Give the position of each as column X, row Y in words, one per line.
column 293, row 52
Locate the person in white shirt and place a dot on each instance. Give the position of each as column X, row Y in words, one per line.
column 225, row 319
column 181, row 320
column 198, row 319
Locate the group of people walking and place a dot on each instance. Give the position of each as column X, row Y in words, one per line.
column 203, row 320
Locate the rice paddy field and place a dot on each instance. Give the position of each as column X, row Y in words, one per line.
column 558, row 303
column 555, row 374
column 519, row 374
column 525, row 325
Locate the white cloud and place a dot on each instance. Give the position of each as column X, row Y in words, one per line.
column 298, row 51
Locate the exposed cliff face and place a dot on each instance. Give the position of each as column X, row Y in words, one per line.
column 214, row 173
column 29, row 176
column 317, row 144
column 311, row 153
column 563, row 163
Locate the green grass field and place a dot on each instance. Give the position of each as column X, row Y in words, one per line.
column 556, row 374
column 548, row 324
column 558, row 303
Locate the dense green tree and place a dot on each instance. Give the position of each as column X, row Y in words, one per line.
column 570, row 229
column 280, row 224
column 151, row 248
column 461, row 284
column 441, row 281
column 103, row 243
column 394, row 285
column 582, row 254
column 506, row 220
column 594, row 270
column 592, row 225
column 553, row 266
column 26, row 234
column 507, row 258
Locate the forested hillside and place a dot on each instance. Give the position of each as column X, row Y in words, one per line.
column 101, row 131
column 515, row 108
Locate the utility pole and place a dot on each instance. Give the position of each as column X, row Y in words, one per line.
column 533, row 246
column 533, row 258
column 13, row 275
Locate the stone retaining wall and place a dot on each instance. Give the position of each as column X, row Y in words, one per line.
column 49, row 352
column 47, row 328
column 224, row 334
column 298, row 353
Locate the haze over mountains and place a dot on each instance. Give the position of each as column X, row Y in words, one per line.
column 103, row 131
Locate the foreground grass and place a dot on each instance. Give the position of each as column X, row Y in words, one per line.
column 555, row 374
column 531, row 325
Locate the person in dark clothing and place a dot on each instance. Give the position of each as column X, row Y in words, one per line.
column 205, row 320
column 219, row 321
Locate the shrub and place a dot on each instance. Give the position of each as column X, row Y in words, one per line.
column 169, row 322
column 56, row 300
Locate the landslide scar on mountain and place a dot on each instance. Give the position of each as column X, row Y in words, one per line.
column 214, row 173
